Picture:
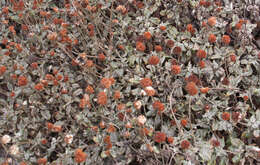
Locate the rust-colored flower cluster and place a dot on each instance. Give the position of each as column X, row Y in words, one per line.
column 157, row 105
column 153, row 60
column 159, row 137
column 102, row 98
column 79, row 156
column 107, row 82
column 145, row 82
column 191, row 88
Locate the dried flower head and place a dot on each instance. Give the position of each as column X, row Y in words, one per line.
column 22, row 81
column 145, row 82
column 138, row 104
column 191, row 88
column 140, row 46
column 212, row 38
column 176, row 69
column 147, row 35
column 102, row 98
column 79, row 155
column 233, row 57
column 157, row 105
column 201, row 54
column 185, row 144
column 42, row 161
column 153, row 60
column 116, row 95
column 149, row 91
column 39, row 87
column 158, row 48
column 170, row 139
column 177, row 50
column 225, row 116
column 212, row 21
column 159, row 137
column 202, row 64
column 2, row 70
column 170, row 43
column 226, row 39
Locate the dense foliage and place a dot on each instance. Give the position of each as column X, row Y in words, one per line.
column 129, row 82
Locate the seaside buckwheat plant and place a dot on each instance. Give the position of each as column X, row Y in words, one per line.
column 131, row 82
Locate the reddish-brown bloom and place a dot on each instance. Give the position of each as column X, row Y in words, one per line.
column 102, row 98
column 162, row 27
column 170, row 139
column 22, row 81
column 233, row 58
column 2, row 70
column 170, row 43
column 202, row 64
column 158, row 48
column 185, row 144
column 34, row 65
column 157, row 105
column 89, row 89
column 226, row 39
column 177, row 50
column 39, row 87
column 225, row 116
column 153, row 60
column 147, row 35
column 44, row 141
column 201, row 54
column 42, row 161
column 159, row 137
column 106, row 82
column 107, row 140
column 145, row 82
column 140, row 46
column 111, row 128
column 189, row 28
column 176, row 69
column 89, row 63
column 212, row 21
column 191, row 88
column 204, row 90
column 79, row 156
column 184, row 122
column 117, row 95
column 101, row 57
column 212, row 38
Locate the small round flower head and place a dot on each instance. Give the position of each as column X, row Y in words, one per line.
column 170, row 43
column 102, row 98
column 153, row 60
column 79, row 156
column 159, row 137
column 140, row 46
column 212, row 21
column 191, row 88
column 225, row 116
column 176, row 69
column 147, row 35
column 177, row 50
column 157, row 105
column 212, row 38
column 185, row 144
column 158, row 48
column 145, row 82
column 201, row 54
column 226, row 39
